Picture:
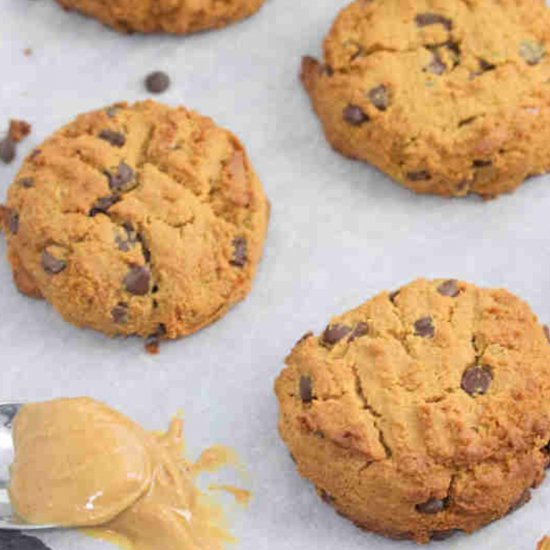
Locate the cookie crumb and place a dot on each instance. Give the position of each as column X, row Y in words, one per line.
column 19, row 130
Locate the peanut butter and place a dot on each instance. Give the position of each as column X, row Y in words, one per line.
column 79, row 463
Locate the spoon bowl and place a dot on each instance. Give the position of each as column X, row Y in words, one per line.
column 8, row 520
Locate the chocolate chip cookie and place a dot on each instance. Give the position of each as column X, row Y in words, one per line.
column 171, row 16
column 447, row 97
column 544, row 544
column 137, row 219
column 423, row 411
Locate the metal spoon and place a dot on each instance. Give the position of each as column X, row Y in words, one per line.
column 8, row 520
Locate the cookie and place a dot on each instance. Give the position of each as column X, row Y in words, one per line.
column 170, row 16
column 544, row 544
column 137, row 219
column 423, row 411
column 446, row 97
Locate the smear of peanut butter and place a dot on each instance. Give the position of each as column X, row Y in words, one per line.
column 79, row 463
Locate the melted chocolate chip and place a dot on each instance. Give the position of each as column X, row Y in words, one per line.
column 424, row 327
column 116, row 139
column 157, row 82
column 306, row 389
column 122, row 179
column 120, row 313
column 354, row 115
column 52, row 265
column 361, row 329
column 13, row 222
column 420, row 175
column 431, row 506
column 379, row 97
column 26, row 183
column 137, row 280
column 485, row 66
column 532, row 52
column 7, row 150
column 102, row 205
column 240, row 252
column 546, row 332
column 480, row 163
column 449, row 288
column 476, row 380
column 334, row 333
column 426, row 19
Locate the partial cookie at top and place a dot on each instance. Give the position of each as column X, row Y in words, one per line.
column 423, row 411
column 171, row 16
column 137, row 219
column 446, row 97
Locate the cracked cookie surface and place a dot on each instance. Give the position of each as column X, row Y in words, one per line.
column 447, row 97
column 171, row 16
column 137, row 219
column 423, row 411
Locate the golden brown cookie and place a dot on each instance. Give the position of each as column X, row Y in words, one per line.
column 544, row 544
column 423, row 411
column 172, row 16
column 137, row 219
column 447, row 97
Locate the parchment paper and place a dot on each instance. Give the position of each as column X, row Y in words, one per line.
column 340, row 232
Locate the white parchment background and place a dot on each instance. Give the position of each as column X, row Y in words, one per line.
column 340, row 232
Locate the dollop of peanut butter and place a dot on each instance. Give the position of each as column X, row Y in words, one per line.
column 79, row 463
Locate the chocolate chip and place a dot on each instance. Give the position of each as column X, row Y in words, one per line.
column 426, row 19
column 436, row 65
column 26, row 183
column 13, row 222
column 306, row 389
column 476, row 380
column 393, row 295
column 546, row 332
column 420, row 175
column 137, row 280
column 485, row 66
column 480, row 163
column 157, row 82
column 7, row 150
column 432, row 506
column 240, row 252
column 325, row 497
column 443, row 535
column 424, row 327
column 354, row 115
column 50, row 264
column 125, row 244
column 152, row 341
column 334, row 333
column 466, row 121
column 120, row 313
column 14, row 540
column 532, row 52
column 120, row 180
column 361, row 329
column 116, row 139
column 379, row 97
column 102, row 205
column 449, row 288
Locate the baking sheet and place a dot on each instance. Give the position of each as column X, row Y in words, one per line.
column 340, row 232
